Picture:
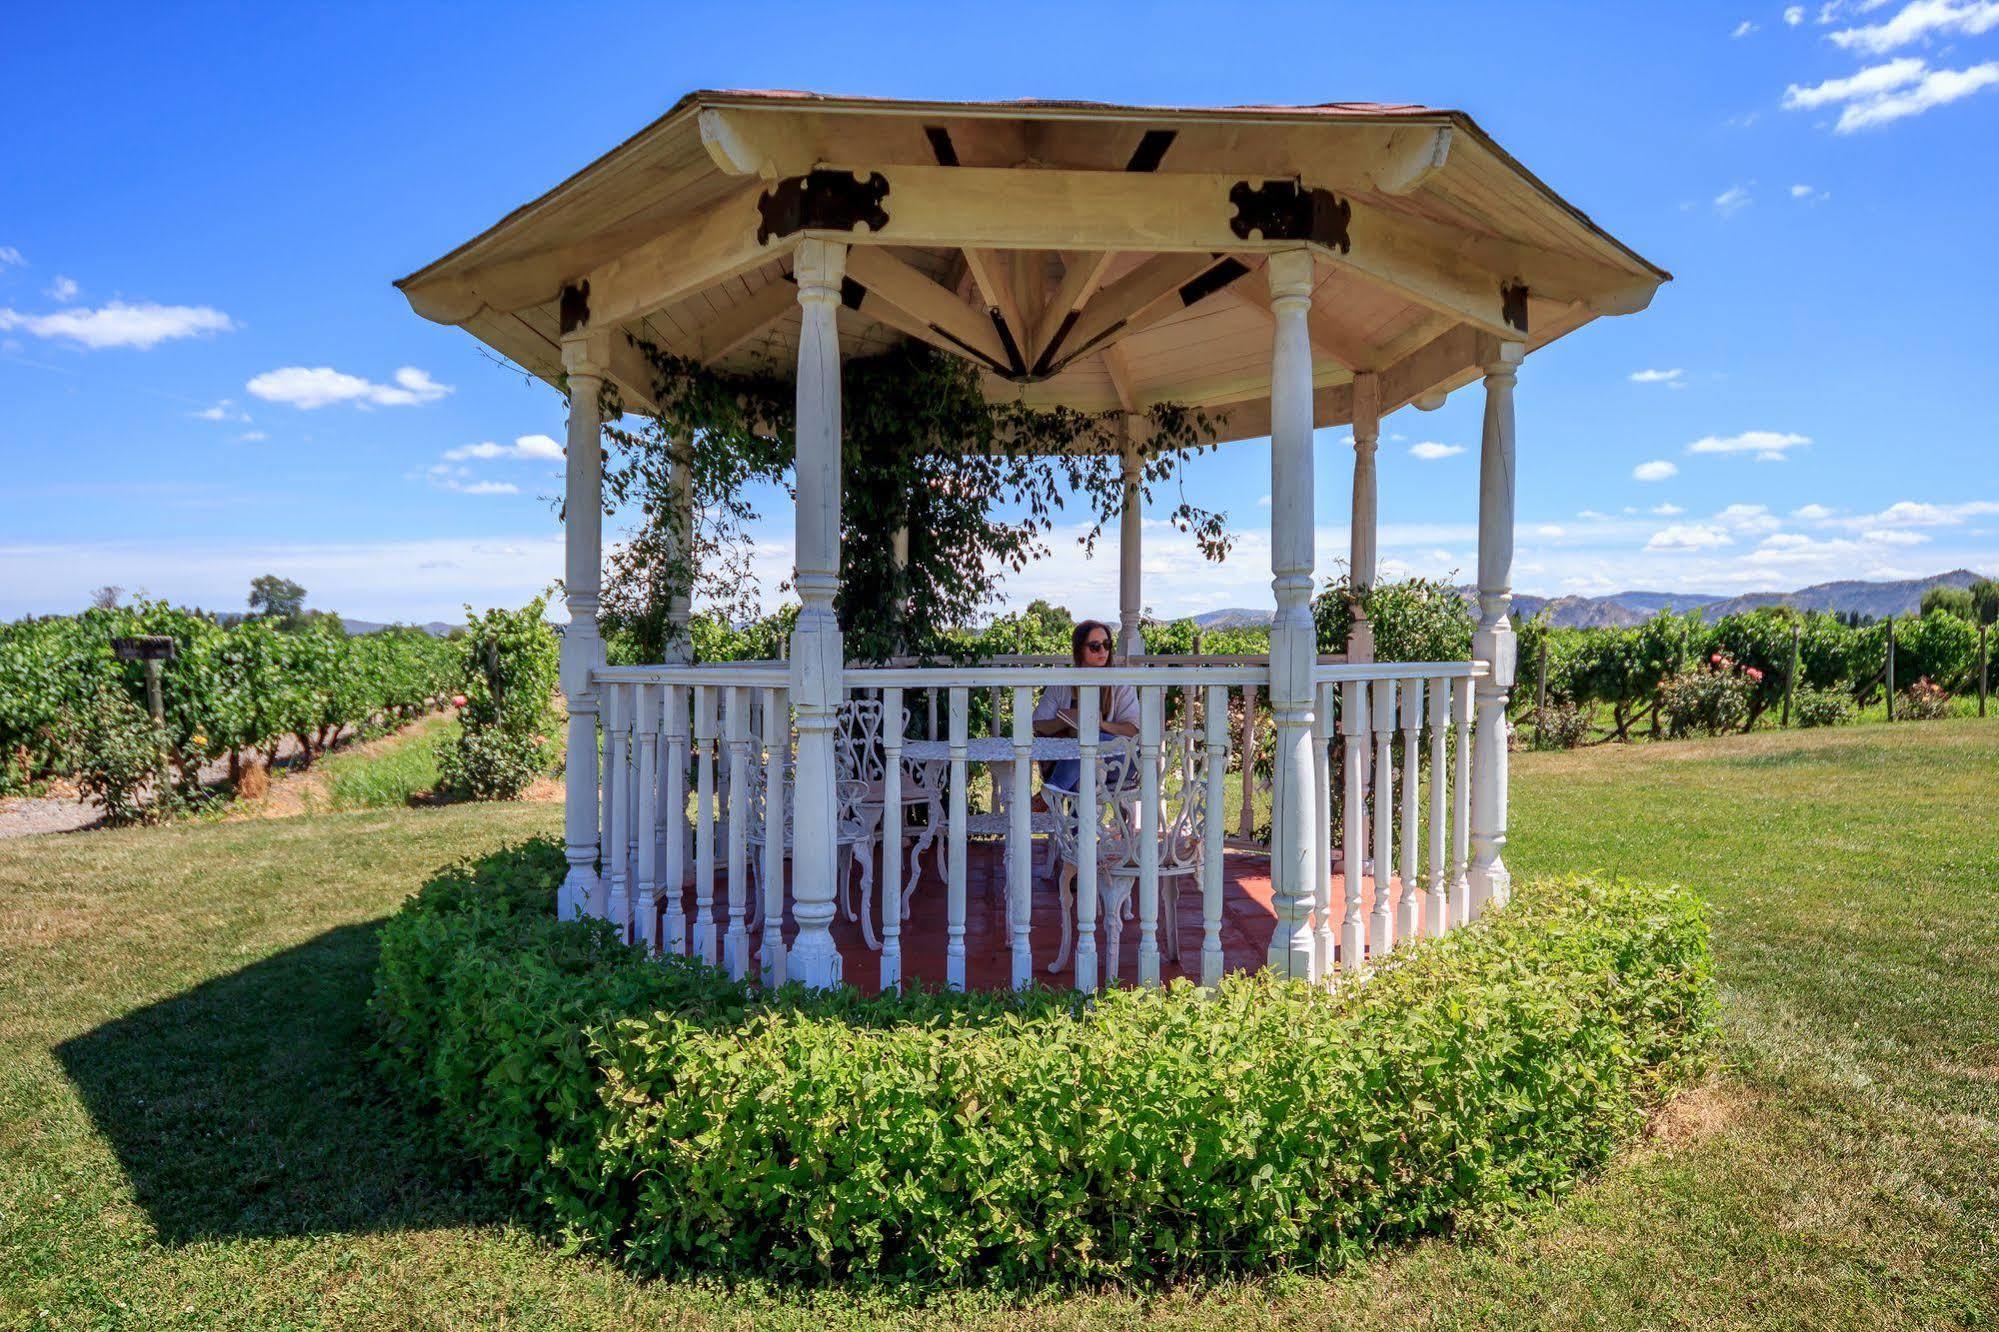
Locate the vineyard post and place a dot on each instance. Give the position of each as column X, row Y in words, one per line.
column 1541, row 680
column 1889, row 678
column 1984, row 665
column 1791, row 679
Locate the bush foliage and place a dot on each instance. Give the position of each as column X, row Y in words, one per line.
column 233, row 689
column 657, row 1111
column 509, row 665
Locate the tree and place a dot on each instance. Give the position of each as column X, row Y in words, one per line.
column 922, row 452
column 1950, row 600
column 1984, row 600
column 277, row 598
column 107, row 597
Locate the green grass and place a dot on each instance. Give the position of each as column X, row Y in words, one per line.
column 390, row 773
column 188, row 1138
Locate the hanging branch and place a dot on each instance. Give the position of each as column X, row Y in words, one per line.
column 922, row 451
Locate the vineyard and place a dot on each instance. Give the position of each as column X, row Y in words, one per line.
column 70, row 708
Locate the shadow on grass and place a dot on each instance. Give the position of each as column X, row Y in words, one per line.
column 245, row 1107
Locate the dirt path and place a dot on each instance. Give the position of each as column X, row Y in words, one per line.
column 63, row 811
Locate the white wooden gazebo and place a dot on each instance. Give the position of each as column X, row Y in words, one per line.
column 1288, row 268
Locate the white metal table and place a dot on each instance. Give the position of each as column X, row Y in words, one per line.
column 930, row 759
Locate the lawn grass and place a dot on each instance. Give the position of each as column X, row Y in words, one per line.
column 188, row 1137
column 390, row 773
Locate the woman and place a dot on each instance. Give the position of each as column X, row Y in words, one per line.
column 1117, row 705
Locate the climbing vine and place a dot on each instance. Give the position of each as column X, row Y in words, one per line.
column 922, row 452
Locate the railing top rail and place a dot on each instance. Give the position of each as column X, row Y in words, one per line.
column 1402, row 670
column 736, row 674
column 943, row 677
column 1049, row 659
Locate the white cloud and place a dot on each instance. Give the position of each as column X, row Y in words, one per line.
column 1767, row 445
column 1939, row 87
column 225, row 410
column 118, row 324
column 1917, row 21
column 1749, row 518
column 1732, row 200
column 1668, row 510
column 1743, row 29
column 307, row 389
column 252, row 436
column 1672, row 377
column 1591, row 515
column 1794, row 15
column 1894, row 537
column 1430, row 450
column 1911, row 513
column 526, row 446
column 1869, row 82
column 1689, row 536
column 1812, row 513
column 62, row 289
column 10, row 257
column 1656, row 470
column 1550, row 531
column 1891, row 91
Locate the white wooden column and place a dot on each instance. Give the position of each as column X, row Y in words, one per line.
column 816, row 650
column 680, row 553
column 1130, row 641
column 1293, row 651
column 1493, row 641
column 1362, row 557
column 584, row 357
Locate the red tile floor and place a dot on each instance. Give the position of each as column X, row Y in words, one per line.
column 1247, row 922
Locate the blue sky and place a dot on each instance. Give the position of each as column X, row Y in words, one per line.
column 205, row 374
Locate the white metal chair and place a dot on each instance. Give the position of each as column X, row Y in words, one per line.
column 1183, row 802
column 851, row 837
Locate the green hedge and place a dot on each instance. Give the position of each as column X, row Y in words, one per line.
column 662, row 1113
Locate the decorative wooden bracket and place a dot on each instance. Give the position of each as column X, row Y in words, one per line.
column 822, row 201
column 574, row 306
column 1284, row 210
column 1513, row 305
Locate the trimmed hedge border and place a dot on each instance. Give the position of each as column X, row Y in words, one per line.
column 660, row 1112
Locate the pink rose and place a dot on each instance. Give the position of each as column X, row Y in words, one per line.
column 1715, row 659
column 458, row 700
column 1754, row 675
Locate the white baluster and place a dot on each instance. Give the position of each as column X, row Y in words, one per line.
column 704, row 823
column 891, row 885
column 1381, row 921
column 1461, row 710
column 736, row 942
column 1408, row 904
column 954, row 884
column 1087, row 706
column 674, row 810
column 1246, row 746
column 628, row 908
column 1216, row 717
column 1436, row 909
column 617, row 804
column 1324, row 938
column 645, row 925
column 1151, row 703
column 1020, row 841
column 1354, row 726
column 777, row 748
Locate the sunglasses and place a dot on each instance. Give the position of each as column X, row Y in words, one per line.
column 1097, row 645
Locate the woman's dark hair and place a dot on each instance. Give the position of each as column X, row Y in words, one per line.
column 1081, row 635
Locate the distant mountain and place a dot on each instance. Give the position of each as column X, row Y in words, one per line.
column 436, row 628
column 1873, row 600
column 1236, row 617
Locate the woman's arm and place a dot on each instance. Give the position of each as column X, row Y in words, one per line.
column 1120, row 728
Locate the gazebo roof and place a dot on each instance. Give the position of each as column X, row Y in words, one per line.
column 1099, row 257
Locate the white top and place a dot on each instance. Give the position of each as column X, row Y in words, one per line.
column 1062, row 698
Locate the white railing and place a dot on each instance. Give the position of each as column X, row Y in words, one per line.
column 697, row 800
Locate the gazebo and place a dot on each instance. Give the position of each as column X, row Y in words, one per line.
column 1289, row 267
